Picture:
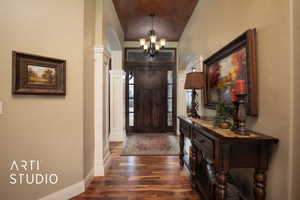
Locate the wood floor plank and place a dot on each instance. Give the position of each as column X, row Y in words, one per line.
column 140, row 178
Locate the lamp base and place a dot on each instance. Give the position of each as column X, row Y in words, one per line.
column 194, row 105
column 196, row 116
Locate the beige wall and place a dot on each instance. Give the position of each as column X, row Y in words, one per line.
column 213, row 25
column 296, row 73
column 111, row 21
column 99, row 22
column 45, row 128
column 106, row 18
column 89, row 44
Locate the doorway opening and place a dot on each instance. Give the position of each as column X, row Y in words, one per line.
column 150, row 91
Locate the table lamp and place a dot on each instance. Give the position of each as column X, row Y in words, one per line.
column 194, row 80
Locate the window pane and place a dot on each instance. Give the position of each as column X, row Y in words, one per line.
column 131, row 119
column 164, row 55
column 170, row 105
column 170, row 119
column 170, row 91
column 189, row 101
column 131, row 79
column 131, row 105
column 170, row 77
column 131, row 91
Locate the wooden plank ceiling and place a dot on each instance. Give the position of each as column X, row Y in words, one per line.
column 169, row 22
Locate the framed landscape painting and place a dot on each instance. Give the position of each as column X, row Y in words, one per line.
column 236, row 61
column 34, row 74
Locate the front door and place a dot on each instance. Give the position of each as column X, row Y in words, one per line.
column 150, row 100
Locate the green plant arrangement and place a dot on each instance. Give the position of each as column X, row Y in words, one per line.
column 223, row 114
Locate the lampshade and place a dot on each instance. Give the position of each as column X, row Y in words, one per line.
column 153, row 38
column 194, row 80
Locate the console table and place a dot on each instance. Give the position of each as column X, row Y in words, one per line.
column 213, row 152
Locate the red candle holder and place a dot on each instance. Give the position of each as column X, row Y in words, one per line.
column 241, row 86
column 233, row 95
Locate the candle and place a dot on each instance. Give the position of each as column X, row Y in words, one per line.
column 241, row 86
column 233, row 95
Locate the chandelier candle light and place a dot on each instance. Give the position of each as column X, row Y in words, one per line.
column 151, row 45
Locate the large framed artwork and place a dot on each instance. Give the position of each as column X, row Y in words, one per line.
column 235, row 61
column 38, row 75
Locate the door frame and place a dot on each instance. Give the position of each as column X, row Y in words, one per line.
column 168, row 66
column 139, row 89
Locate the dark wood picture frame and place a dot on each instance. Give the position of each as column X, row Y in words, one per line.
column 248, row 41
column 24, row 65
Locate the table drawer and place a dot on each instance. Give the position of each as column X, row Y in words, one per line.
column 204, row 143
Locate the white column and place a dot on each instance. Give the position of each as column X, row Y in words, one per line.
column 102, row 154
column 117, row 105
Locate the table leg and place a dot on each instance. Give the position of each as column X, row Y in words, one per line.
column 221, row 189
column 193, row 161
column 260, row 179
column 181, row 154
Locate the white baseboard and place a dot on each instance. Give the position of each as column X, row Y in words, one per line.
column 89, row 177
column 99, row 170
column 117, row 136
column 66, row 193
column 79, row 187
column 107, row 161
column 103, row 164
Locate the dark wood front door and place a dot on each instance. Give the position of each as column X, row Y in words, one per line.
column 150, row 100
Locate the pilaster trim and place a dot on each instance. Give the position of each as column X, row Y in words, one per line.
column 101, row 49
column 117, row 73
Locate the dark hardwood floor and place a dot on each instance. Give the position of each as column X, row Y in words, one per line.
column 141, row 178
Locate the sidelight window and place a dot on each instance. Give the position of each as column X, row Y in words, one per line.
column 130, row 100
column 170, row 99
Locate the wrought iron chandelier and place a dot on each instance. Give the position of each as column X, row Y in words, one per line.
column 151, row 45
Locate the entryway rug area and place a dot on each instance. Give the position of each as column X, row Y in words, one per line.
column 151, row 145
